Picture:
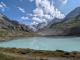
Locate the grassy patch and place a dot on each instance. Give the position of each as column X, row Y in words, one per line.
column 3, row 33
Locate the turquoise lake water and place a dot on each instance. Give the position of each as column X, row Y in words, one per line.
column 45, row 43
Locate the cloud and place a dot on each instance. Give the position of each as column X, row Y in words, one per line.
column 34, row 23
column 45, row 8
column 63, row 1
column 3, row 6
column 38, row 12
column 21, row 9
column 24, row 18
column 31, row 0
column 29, row 14
column 45, row 11
column 36, row 19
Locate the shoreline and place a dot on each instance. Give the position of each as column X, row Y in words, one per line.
column 8, row 38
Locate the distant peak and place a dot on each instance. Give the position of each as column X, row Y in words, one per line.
column 78, row 7
column 75, row 12
column 1, row 14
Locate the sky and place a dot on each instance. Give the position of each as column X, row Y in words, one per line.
column 33, row 12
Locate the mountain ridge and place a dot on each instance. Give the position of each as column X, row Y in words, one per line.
column 73, row 13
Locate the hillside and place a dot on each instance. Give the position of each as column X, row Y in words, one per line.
column 10, row 28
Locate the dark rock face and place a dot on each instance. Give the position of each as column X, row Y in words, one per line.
column 75, row 31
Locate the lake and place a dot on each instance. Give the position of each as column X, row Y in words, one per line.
column 45, row 43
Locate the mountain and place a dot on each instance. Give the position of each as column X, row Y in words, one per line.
column 70, row 25
column 74, row 13
column 10, row 28
column 6, row 23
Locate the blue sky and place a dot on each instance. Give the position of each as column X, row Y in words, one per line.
column 19, row 9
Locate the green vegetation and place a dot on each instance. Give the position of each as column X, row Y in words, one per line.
column 8, row 34
column 3, row 33
column 5, row 57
